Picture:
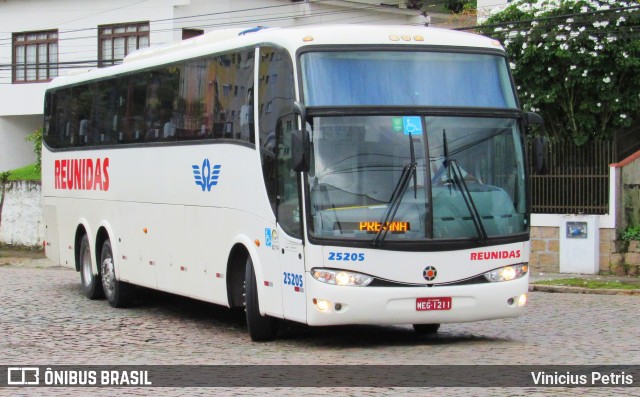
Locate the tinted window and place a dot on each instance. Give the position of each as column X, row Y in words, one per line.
column 205, row 98
column 275, row 100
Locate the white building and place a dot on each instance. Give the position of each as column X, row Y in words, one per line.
column 486, row 8
column 41, row 39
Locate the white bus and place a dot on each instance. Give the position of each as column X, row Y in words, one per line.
column 325, row 175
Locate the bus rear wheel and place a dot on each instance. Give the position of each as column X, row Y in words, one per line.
column 118, row 293
column 261, row 328
column 426, row 329
column 91, row 284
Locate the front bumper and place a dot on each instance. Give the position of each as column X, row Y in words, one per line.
column 397, row 305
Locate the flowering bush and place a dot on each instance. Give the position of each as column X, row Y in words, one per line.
column 576, row 62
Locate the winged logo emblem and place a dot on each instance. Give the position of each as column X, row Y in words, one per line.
column 206, row 176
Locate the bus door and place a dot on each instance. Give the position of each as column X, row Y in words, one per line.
column 289, row 215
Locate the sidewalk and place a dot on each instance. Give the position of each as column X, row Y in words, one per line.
column 535, row 277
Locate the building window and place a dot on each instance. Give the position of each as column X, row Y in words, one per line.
column 35, row 56
column 117, row 41
column 191, row 33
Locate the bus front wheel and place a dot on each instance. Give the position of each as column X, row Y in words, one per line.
column 118, row 293
column 91, row 284
column 261, row 328
column 426, row 329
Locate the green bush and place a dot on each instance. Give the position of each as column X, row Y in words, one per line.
column 632, row 233
column 36, row 138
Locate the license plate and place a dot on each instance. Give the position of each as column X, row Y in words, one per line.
column 426, row 304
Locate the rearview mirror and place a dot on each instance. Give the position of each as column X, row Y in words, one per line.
column 531, row 119
column 540, row 151
column 300, row 150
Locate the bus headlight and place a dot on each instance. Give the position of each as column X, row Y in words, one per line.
column 507, row 273
column 341, row 277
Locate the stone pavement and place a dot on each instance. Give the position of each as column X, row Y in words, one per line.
column 46, row 320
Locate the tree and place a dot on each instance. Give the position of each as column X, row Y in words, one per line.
column 454, row 6
column 36, row 138
column 575, row 62
column 4, row 179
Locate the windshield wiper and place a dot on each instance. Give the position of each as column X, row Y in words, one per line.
column 408, row 171
column 458, row 179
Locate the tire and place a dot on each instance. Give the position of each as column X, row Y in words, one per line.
column 261, row 328
column 91, row 283
column 426, row 329
column 118, row 293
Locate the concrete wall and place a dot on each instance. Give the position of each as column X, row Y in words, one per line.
column 630, row 185
column 15, row 151
column 22, row 223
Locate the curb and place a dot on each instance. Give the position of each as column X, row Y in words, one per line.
column 579, row 290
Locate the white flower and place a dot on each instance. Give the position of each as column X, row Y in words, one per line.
column 606, row 80
column 623, row 116
column 624, row 54
column 598, row 104
column 564, row 46
column 584, row 74
column 573, row 67
column 561, row 37
column 512, row 65
column 524, row 46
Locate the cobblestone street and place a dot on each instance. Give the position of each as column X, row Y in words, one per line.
column 46, row 320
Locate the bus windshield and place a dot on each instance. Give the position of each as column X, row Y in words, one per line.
column 408, row 78
column 467, row 179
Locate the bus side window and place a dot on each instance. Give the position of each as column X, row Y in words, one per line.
column 288, row 203
column 275, row 101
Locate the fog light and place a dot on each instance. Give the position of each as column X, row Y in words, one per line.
column 522, row 300
column 321, row 304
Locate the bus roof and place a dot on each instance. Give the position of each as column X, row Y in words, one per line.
column 290, row 38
